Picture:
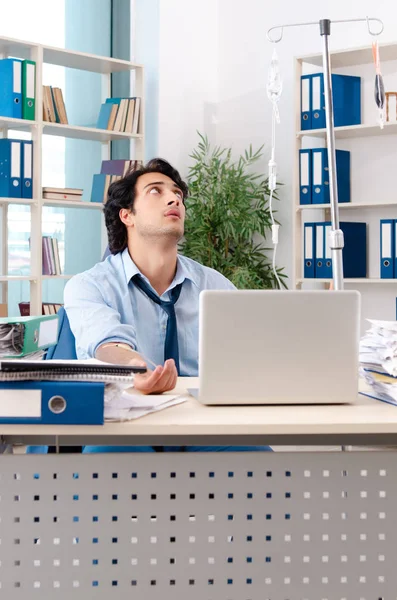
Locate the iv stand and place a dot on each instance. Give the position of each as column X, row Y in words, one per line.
column 336, row 234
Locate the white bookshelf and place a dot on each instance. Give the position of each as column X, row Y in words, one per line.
column 366, row 143
column 75, row 60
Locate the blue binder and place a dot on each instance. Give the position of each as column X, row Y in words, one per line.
column 11, row 88
column 10, row 168
column 27, row 169
column 354, row 253
column 309, row 250
column 346, row 100
column 319, row 269
column 387, row 248
column 320, row 176
column 52, row 402
column 305, row 176
column 306, row 102
column 395, row 248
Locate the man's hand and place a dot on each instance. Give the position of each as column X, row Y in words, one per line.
column 162, row 379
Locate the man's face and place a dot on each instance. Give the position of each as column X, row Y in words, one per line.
column 159, row 210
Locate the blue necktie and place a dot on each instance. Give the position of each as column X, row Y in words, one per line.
column 171, row 349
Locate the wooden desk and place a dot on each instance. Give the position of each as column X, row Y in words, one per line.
column 204, row 526
column 367, row 422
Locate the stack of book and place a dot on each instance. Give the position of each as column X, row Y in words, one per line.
column 378, row 360
column 54, row 193
column 111, row 171
column 48, row 308
column 120, row 114
column 51, row 262
column 54, row 109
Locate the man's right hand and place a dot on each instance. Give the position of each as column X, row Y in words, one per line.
column 162, row 379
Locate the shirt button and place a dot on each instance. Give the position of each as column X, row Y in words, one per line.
column 164, row 327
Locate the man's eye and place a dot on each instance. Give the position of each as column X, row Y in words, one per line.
column 154, row 189
column 179, row 194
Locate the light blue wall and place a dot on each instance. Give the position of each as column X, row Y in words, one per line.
column 147, row 37
column 88, row 26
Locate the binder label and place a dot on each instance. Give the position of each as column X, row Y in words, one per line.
column 17, row 68
column 15, row 159
column 386, row 240
column 27, row 161
column 327, row 244
column 304, row 168
column 30, row 69
column 316, row 93
column 308, row 243
column 317, row 168
column 20, row 403
column 319, row 241
column 305, row 95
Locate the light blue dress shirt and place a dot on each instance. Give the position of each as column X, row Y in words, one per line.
column 103, row 305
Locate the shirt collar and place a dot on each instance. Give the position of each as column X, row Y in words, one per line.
column 182, row 270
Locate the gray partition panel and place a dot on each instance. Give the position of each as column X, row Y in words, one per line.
column 219, row 526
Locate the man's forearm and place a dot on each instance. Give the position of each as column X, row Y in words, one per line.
column 120, row 354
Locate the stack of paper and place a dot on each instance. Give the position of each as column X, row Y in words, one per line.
column 378, row 348
column 132, row 405
column 378, row 360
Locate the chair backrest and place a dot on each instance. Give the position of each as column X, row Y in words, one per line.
column 66, row 345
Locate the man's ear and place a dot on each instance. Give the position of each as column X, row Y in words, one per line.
column 126, row 216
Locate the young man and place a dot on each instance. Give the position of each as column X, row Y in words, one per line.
column 119, row 310
column 141, row 304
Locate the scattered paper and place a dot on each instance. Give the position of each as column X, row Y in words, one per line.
column 127, row 406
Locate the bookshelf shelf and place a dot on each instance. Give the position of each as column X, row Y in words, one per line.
column 352, row 131
column 66, row 277
column 347, row 281
column 347, row 206
column 47, row 55
column 86, row 133
column 17, row 201
column 86, row 62
column 20, row 124
column 7, row 278
column 73, row 204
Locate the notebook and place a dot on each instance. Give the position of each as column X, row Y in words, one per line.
column 67, row 370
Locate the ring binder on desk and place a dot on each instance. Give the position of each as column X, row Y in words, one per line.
column 67, row 370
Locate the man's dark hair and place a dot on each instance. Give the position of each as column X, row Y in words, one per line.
column 122, row 195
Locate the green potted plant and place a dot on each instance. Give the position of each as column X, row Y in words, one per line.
column 228, row 216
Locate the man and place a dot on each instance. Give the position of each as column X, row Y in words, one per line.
column 140, row 305
column 112, row 318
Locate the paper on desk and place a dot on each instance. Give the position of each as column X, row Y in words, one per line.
column 128, row 406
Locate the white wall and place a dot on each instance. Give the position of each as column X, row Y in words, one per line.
column 188, row 76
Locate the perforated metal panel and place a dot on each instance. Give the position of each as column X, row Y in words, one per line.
column 220, row 526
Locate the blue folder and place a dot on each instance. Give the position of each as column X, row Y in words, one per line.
column 321, row 179
column 354, row 253
column 305, row 176
column 387, row 248
column 27, row 169
column 309, row 250
column 306, row 102
column 346, row 99
column 11, row 88
column 52, row 402
column 10, row 168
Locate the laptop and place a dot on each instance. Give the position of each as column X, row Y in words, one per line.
column 278, row 347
